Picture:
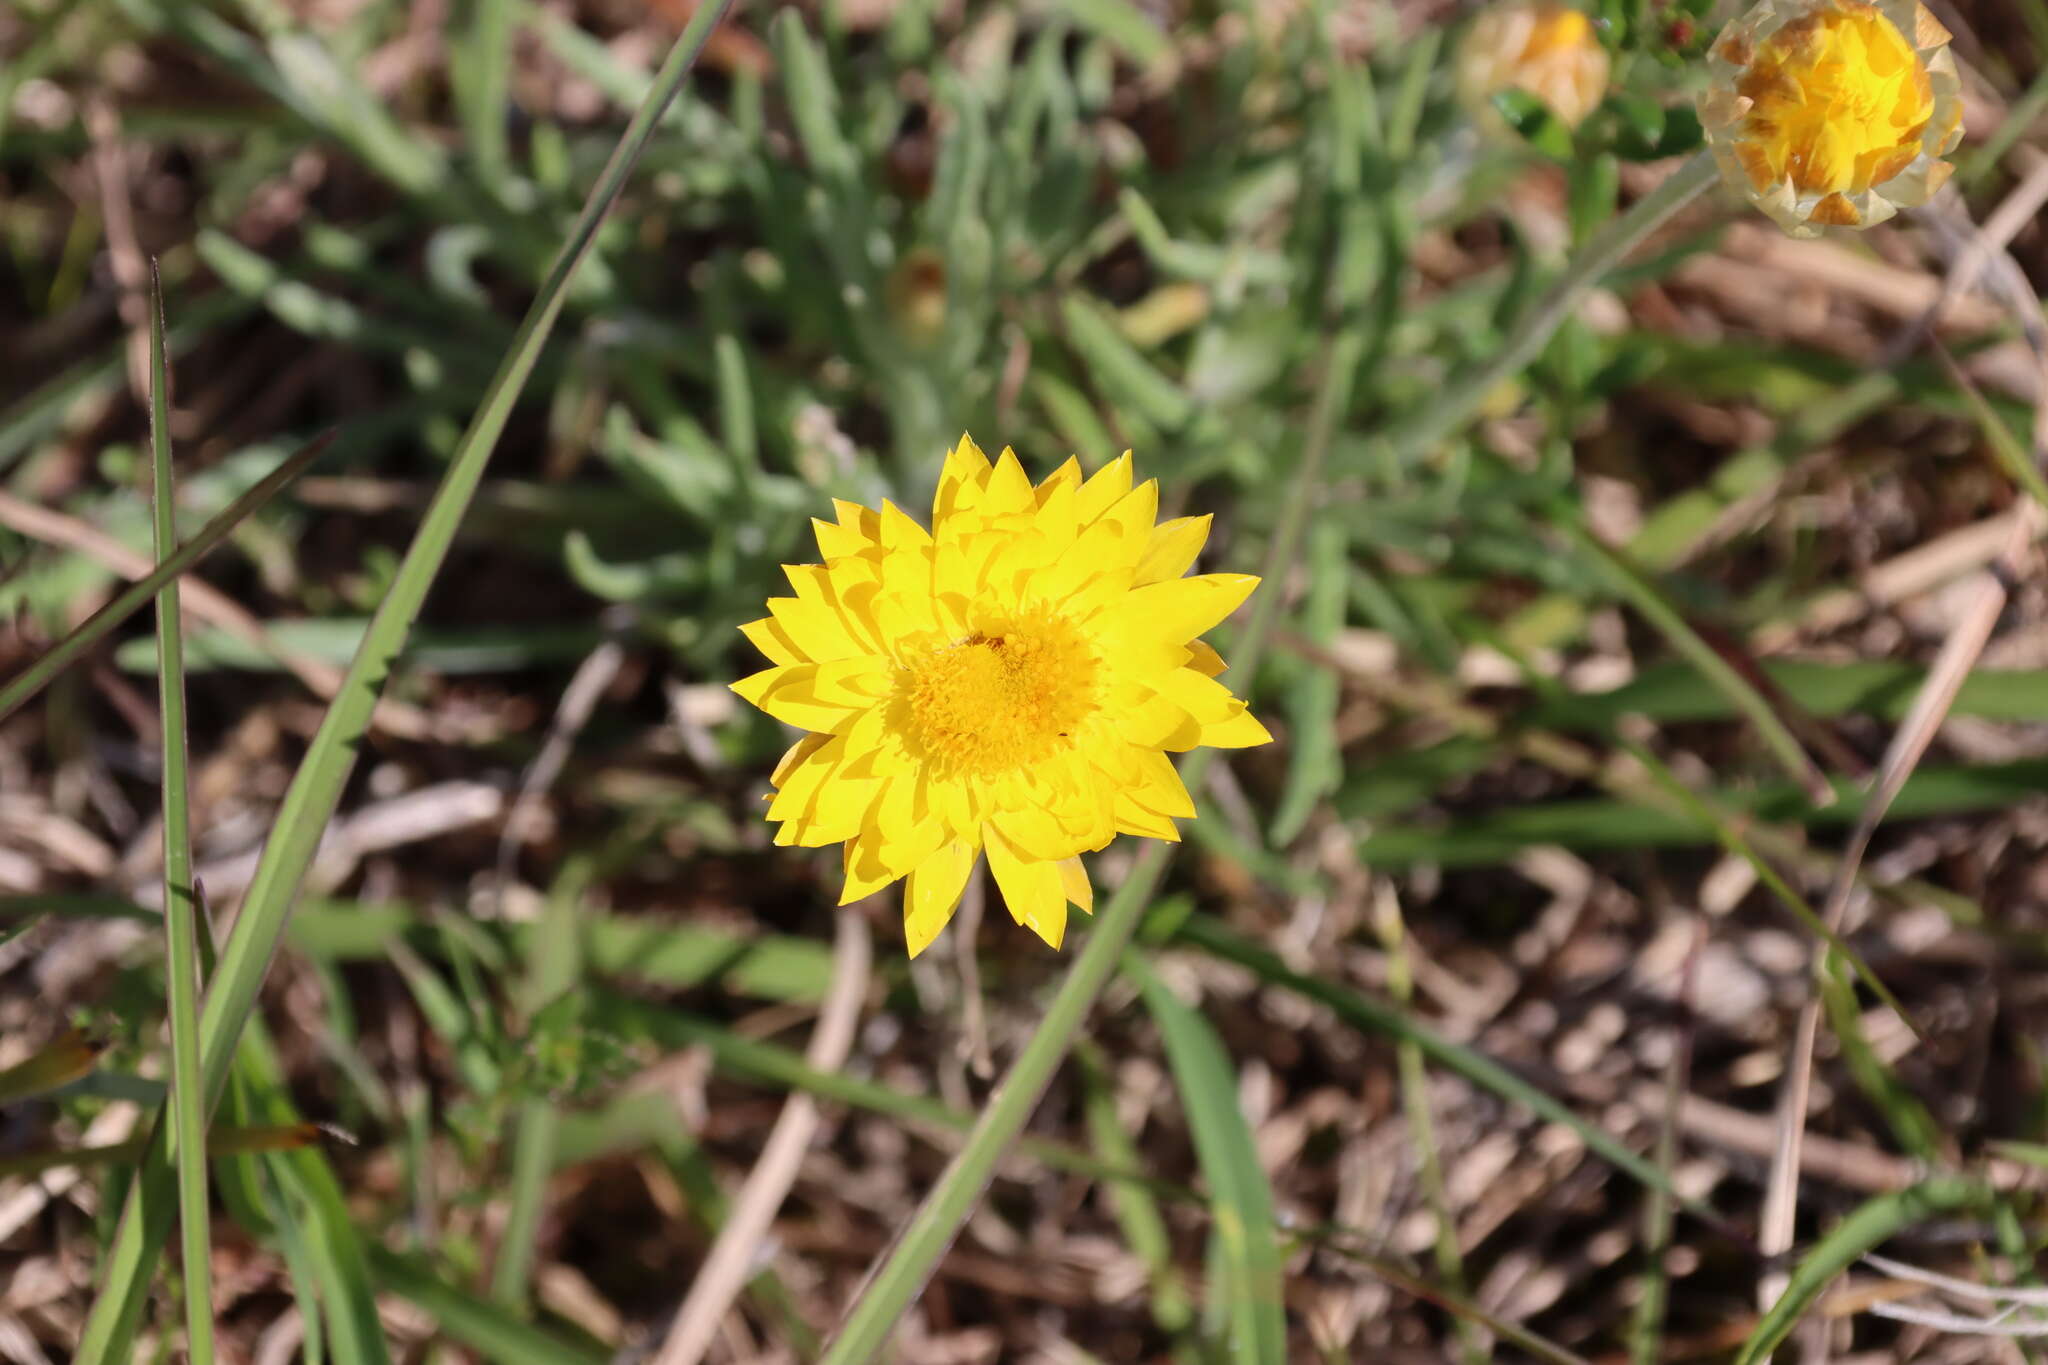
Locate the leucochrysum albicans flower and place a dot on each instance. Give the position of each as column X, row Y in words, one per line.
column 1007, row 683
column 1833, row 112
column 1542, row 48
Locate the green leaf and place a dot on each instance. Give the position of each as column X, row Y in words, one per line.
column 1641, row 121
column 1241, row 1201
column 1531, row 117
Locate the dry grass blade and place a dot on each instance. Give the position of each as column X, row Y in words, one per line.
column 68, row 1057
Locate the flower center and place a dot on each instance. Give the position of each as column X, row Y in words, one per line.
column 1008, row 695
column 1839, row 101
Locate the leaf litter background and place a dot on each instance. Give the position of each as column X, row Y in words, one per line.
column 1066, row 228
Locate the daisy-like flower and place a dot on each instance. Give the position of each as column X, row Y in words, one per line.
column 1008, row 682
column 1545, row 49
column 1833, row 112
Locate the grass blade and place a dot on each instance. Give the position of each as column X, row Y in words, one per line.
column 1137, row 1212
column 1240, row 1198
column 1639, row 592
column 221, row 1141
column 555, row 962
column 1362, row 1012
column 66, row 1059
column 316, row 787
column 1874, row 1221
column 65, row 652
column 181, row 905
column 488, row 1328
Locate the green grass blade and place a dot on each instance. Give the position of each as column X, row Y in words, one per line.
column 487, row 1328
column 65, row 652
column 484, row 67
column 1871, row 1223
column 1638, row 591
column 181, row 905
column 554, row 964
column 316, row 787
column 1241, row 1200
column 1137, row 1212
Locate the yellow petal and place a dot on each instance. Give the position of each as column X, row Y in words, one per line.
column 933, row 892
column 865, row 874
column 1031, row 888
column 1180, row 609
column 1034, row 833
column 1172, row 549
column 817, row 696
column 960, row 481
column 1105, row 487
column 900, row 530
column 1074, row 882
column 768, row 636
column 1067, row 475
column 1160, row 788
column 1240, row 731
column 1204, row 660
column 797, row 753
column 1009, row 488
column 1132, row 817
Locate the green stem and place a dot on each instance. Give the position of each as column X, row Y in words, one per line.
column 1416, row 438
column 181, row 907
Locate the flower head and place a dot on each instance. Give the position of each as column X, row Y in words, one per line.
column 1833, row 112
column 1008, row 682
column 1545, row 49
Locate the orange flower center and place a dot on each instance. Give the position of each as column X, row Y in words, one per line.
column 1006, row 696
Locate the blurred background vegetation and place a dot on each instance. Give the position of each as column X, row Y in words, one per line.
column 1487, row 965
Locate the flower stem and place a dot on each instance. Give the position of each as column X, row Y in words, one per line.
column 1417, row 437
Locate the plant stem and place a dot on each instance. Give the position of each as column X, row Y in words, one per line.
column 181, row 905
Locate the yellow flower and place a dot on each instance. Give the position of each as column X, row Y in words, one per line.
column 1544, row 49
column 1833, row 112
column 1007, row 682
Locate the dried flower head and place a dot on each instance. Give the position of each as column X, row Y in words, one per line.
column 1008, row 682
column 1833, row 112
column 1545, row 49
